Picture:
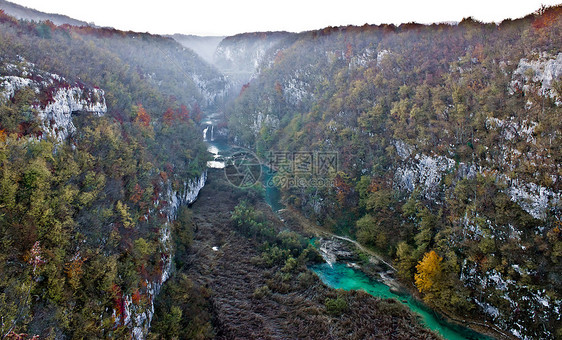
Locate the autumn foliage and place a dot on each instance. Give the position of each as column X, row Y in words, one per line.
column 342, row 187
column 143, row 118
column 183, row 113
column 168, row 117
column 428, row 272
column 197, row 113
column 21, row 336
column 547, row 17
column 137, row 193
column 136, row 297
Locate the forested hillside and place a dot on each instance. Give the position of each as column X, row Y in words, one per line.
column 448, row 142
column 22, row 12
column 99, row 148
column 437, row 146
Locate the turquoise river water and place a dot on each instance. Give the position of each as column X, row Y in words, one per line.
column 338, row 275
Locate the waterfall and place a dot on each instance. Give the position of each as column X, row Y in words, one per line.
column 205, row 133
column 212, row 133
column 327, row 254
column 329, row 258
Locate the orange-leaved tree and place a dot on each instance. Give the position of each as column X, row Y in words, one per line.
column 428, row 272
column 142, row 117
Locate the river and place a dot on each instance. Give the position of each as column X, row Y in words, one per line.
column 338, row 275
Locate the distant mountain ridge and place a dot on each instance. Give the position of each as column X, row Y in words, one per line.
column 239, row 56
column 204, row 46
column 26, row 13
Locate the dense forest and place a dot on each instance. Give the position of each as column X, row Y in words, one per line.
column 100, row 154
column 448, row 143
column 98, row 143
column 436, row 146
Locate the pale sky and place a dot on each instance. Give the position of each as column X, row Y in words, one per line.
column 228, row 17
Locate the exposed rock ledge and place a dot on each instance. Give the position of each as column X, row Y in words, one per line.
column 60, row 98
column 136, row 317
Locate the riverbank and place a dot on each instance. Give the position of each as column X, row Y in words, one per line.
column 375, row 266
column 251, row 300
column 295, row 219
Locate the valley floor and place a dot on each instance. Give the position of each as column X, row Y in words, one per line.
column 294, row 306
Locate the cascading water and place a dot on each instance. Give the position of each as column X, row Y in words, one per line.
column 218, row 147
column 218, row 161
column 205, row 133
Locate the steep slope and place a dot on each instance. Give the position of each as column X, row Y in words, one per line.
column 96, row 158
column 240, row 56
column 418, row 138
column 205, row 46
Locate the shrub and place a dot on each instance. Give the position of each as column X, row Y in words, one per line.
column 336, row 306
column 261, row 292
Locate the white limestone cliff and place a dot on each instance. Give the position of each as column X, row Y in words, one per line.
column 63, row 98
column 138, row 318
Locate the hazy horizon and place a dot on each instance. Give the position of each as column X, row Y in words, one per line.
column 224, row 18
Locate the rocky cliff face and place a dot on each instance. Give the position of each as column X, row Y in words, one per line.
column 58, row 99
column 136, row 317
column 212, row 89
column 510, row 304
column 541, row 73
column 240, row 56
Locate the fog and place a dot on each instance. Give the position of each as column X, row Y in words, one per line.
column 204, row 46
